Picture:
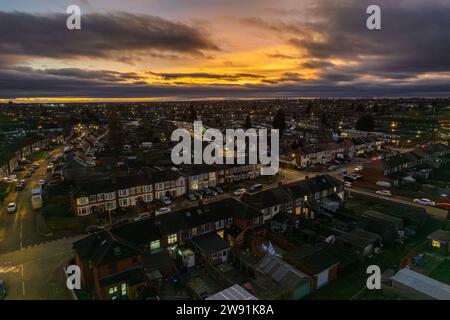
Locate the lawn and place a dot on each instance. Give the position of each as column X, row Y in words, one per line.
column 442, row 272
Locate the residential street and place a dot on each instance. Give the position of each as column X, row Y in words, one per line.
column 35, row 273
column 19, row 230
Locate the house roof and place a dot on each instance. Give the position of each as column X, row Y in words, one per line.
column 275, row 196
column 280, row 271
column 359, row 238
column 440, row 235
column 104, row 247
column 421, row 283
column 313, row 260
column 235, row 292
column 138, row 232
column 210, row 243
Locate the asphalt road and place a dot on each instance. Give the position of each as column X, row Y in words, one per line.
column 36, row 273
column 19, row 230
column 432, row 211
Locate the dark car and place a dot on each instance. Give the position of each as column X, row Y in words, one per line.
column 20, row 186
column 2, row 289
column 94, row 229
column 120, row 222
column 255, row 188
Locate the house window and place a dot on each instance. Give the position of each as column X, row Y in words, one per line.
column 155, row 245
column 110, row 196
column 435, row 244
column 148, row 188
column 100, row 197
column 123, row 289
column 305, row 198
column 110, row 205
column 83, row 200
column 112, row 291
column 256, row 221
column 172, row 238
column 123, row 193
column 205, row 228
column 220, row 224
column 138, row 189
column 92, row 198
column 230, row 221
column 132, row 191
column 194, row 231
column 123, row 202
column 334, row 189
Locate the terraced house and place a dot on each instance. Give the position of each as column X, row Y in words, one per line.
column 301, row 199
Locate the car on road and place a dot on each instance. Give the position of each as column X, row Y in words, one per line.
column 10, row 179
column 163, row 210
column 94, row 228
column 255, row 188
column 347, row 184
column 50, row 167
column 359, row 168
column 239, row 192
column 35, row 166
column 331, row 168
column 32, row 171
column 444, row 205
column 424, row 201
column 120, row 221
column 11, row 207
column 2, row 289
column 143, row 216
column 20, row 186
column 166, row 200
column 42, row 182
column 384, row 193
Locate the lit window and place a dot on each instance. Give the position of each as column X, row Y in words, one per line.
column 435, row 244
column 305, row 198
column 155, row 245
column 124, row 289
column 112, row 291
column 194, row 231
column 172, row 238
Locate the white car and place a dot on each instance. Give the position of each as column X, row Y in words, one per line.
column 384, row 193
column 11, row 208
column 163, row 210
column 359, row 168
column 166, row 200
column 238, row 192
column 347, row 184
column 42, row 182
column 424, row 201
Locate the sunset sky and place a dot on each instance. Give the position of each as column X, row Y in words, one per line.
column 222, row 49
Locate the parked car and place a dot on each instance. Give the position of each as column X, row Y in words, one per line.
column 2, row 289
column 28, row 175
column 166, row 200
column 94, row 229
column 255, row 188
column 20, row 186
column 50, row 167
column 384, row 193
column 42, row 182
column 218, row 189
column 191, row 196
column 238, row 192
column 359, row 168
column 36, row 166
column 163, row 210
column 347, row 184
column 11, row 207
column 445, row 205
column 331, row 168
column 120, row 221
column 424, row 201
column 143, row 216
column 198, row 194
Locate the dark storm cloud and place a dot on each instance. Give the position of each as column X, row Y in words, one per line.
column 100, row 35
column 414, row 38
column 25, row 82
column 205, row 75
